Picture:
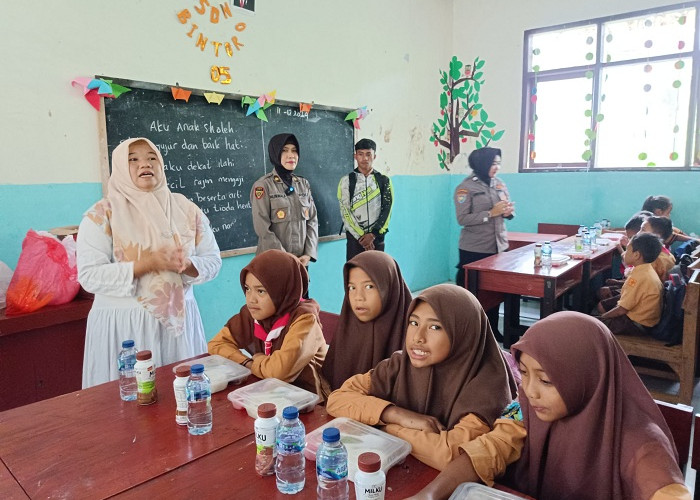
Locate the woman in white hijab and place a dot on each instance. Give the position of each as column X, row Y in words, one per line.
column 140, row 250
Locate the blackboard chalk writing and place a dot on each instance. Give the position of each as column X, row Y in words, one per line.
column 232, row 146
column 186, row 145
column 226, row 162
column 236, row 181
column 220, row 128
column 199, row 198
column 196, row 165
column 297, row 114
column 224, row 208
column 235, row 194
column 164, row 148
column 156, row 126
column 175, row 183
column 188, row 127
column 171, row 167
column 210, row 144
column 201, row 183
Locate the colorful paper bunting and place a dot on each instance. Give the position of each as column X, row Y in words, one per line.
column 181, row 94
column 259, row 105
column 305, row 107
column 357, row 115
column 213, row 97
column 94, row 88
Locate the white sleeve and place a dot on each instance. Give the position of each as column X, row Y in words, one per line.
column 97, row 271
column 207, row 257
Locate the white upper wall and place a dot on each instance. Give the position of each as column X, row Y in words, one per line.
column 382, row 54
column 494, row 31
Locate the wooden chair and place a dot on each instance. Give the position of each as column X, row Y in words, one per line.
column 679, row 358
column 679, row 418
column 695, row 457
column 329, row 323
column 551, row 228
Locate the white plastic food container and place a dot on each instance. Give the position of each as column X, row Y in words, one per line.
column 221, row 371
column 272, row 390
column 359, row 438
column 476, row 491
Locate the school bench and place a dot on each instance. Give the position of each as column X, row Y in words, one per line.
column 329, row 324
column 695, row 457
column 679, row 358
column 679, row 418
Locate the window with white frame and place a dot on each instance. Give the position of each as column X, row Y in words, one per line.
column 613, row 93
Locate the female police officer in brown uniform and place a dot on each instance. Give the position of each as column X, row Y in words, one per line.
column 482, row 203
column 284, row 214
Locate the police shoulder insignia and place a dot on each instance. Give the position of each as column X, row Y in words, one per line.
column 462, row 195
column 513, row 412
column 259, row 192
column 281, row 214
column 276, row 178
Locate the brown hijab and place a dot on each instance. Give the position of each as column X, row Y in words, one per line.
column 612, row 423
column 473, row 378
column 285, row 279
column 357, row 347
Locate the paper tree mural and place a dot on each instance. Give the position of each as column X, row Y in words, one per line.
column 461, row 114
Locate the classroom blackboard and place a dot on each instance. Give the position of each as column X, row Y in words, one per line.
column 214, row 153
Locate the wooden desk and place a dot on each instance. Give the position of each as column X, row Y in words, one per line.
column 513, row 273
column 42, row 353
column 517, row 240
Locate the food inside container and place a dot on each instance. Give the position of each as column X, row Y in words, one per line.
column 272, row 390
column 221, row 371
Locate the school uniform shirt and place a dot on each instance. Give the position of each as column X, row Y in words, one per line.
column 642, row 294
column 298, row 361
column 488, row 455
column 281, row 221
column 663, row 264
column 480, row 233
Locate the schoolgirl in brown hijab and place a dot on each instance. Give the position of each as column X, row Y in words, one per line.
column 276, row 326
column 360, row 343
column 447, row 387
column 612, row 441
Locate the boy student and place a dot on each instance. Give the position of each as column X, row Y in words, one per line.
column 365, row 197
column 663, row 228
column 639, row 306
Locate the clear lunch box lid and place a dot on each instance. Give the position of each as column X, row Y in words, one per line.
column 359, row 438
column 220, row 371
column 477, row 491
column 272, row 390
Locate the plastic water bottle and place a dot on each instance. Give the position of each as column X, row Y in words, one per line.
column 127, row 377
column 598, row 228
column 586, row 241
column 332, row 467
column 547, row 255
column 290, row 463
column 198, row 388
column 581, row 229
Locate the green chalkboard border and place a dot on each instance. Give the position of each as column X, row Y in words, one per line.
column 162, row 87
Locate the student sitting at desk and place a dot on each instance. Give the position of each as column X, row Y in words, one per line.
column 278, row 328
column 445, row 389
column 663, row 229
column 593, row 430
column 370, row 327
column 639, row 307
column 662, row 206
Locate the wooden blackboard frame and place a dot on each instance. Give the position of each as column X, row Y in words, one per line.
column 104, row 144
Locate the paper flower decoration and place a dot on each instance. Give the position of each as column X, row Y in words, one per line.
column 259, row 105
column 213, row 97
column 94, row 88
column 305, row 107
column 181, row 94
column 357, row 115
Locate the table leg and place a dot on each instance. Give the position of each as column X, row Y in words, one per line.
column 547, row 306
column 511, row 319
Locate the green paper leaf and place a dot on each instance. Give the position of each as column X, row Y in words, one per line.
column 477, row 86
column 497, row 136
column 443, row 100
column 479, row 64
column 490, row 124
column 486, row 133
column 478, row 75
column 587, row 155
column 455, row 68
column 642, row 156
column 483, row 115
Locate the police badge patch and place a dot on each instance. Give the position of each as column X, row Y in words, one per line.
column 281, row 214
column 462, row 195
column 259, row 192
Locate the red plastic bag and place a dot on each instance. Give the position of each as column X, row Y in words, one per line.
column 46, row 274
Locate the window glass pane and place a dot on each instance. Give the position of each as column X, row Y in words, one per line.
column 649, row 35
column 643, row 118
column 559, row 131
column 563, row 48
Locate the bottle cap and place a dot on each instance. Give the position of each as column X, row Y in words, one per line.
column 546, row 242
column 127, row 344
column 198, row 368
column 182, row 371
column 143, row 355
column 538, row 244
column 290, row 412
column 267, row 410
column 369, row 462
column 331, row 435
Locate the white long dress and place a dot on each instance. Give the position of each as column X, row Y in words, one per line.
column 116, row 315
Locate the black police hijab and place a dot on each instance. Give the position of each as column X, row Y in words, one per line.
column 274, row 149
column 480, row 161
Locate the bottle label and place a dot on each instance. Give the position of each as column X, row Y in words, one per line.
column 289, row 447
column 265, row 451
column 146, row 383
column 181, row 402
column 369, row 492
column 338, row 472
column 265, row 438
